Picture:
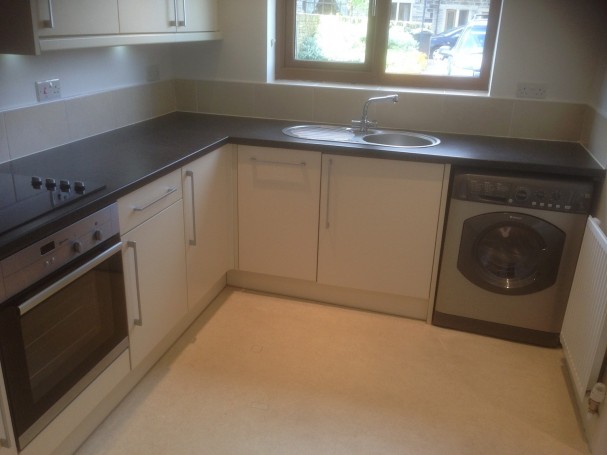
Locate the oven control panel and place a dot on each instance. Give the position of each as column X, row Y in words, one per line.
column 38, row 260
column 572, row 196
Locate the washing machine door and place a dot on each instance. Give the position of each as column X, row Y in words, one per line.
column 510, row 253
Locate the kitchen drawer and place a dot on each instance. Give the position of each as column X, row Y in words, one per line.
column 149, row 200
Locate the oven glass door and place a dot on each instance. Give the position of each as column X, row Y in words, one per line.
column 58, row 337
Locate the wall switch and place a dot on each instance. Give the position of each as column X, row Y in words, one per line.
column 48, row 90
column 533, row 91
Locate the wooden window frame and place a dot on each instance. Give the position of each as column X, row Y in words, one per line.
column 372, row 71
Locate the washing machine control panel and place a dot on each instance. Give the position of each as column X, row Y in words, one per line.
column 573, row 196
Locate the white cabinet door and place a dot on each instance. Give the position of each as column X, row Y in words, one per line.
column 208, row 202
column 77, row 17
column 160, row 16
column 278, row 193
column 155, row 276
column 197, row 16
column 378, row 224
column 7, row 441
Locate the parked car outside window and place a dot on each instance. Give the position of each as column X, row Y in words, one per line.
column 466, row 57
column 446, row 38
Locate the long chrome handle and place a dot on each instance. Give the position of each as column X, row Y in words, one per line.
column 329, row 171
column 193, row 240
column 4, row 439
column 32, row 303
column 184, row 22
column 170, row 190
column 50, row 23
column 284, row 163
column 174, row 23
column 132, row 244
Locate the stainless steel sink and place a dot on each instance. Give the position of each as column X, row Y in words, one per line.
column 333, row 133
column 401, row 139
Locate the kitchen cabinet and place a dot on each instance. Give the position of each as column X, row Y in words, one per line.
column 7, row 441
column 278, row 192
column 30, row 27
column 84, row 17
column 209, row 216
column 378, row 224
column 152, row 229
column 167, row 16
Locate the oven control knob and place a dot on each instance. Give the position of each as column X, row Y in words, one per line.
column 77, row 246
column 98, row 235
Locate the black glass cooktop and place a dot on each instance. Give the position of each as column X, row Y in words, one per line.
column 25, row 198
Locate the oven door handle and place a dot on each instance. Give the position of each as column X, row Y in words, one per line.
column 32, row 303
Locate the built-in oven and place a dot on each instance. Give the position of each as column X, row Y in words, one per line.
column 63, row 318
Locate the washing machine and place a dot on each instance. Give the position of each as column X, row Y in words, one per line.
column 509, row 254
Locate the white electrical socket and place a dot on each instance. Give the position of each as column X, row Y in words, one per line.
column 48, row 90
column 531, row 90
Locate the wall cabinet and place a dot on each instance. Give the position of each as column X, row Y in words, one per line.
column 33, row 26
column 378, row 224
column 152, row 229
column 7, row 441
column 208, row 209
column 278, row 193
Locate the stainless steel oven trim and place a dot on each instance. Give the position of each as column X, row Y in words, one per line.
column 32, row 303
column 69, row 396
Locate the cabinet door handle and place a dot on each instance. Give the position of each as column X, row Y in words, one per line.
column 132, row 244
column 193, row 240
column 170, row 190
column 184, row 22
column 329, row 172
column 284, row 163
column 50, row 23
column 174, row 23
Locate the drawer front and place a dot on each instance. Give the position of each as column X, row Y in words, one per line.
column 149, row 200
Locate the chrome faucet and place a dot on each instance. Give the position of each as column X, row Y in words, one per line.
column 364, row 123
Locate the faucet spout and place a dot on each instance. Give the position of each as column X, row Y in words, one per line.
column 364, row 122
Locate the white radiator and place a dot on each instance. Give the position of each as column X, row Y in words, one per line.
column 584, row 332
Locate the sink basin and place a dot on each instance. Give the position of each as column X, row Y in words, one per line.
column 333, row 133
column 404, row 139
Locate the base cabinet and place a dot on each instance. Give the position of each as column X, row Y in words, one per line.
column 278, row 193
column 378, row 224
column 7, row 440
column 154, row 263
column 209, row 216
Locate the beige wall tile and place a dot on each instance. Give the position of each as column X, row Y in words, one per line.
column 229, row 98
column 4, row 152
column 90, row 115
column 142, row 102
column 414, row 111
column 36, row 128
column 476, row 115
column 284, row 102
column 595, row 135
column 162, row 97
column 185, row 95
column 547, row 120
column 340, row 106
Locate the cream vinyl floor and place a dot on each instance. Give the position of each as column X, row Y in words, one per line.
column 259, row 374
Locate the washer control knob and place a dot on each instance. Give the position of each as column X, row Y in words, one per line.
column 98, row 235
column 77, row 247
column 521, row 194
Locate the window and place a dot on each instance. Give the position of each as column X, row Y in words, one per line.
column 413, row 43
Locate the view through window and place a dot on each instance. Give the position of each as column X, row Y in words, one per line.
column 433, row 43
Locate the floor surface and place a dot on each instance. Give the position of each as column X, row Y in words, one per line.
column 258, row 374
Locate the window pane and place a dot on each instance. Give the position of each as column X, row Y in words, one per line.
column 430, row 43
column 331, row 30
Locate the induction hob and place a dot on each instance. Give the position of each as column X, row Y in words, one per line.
column 25, row 198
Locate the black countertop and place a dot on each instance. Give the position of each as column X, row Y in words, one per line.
column 130, row 157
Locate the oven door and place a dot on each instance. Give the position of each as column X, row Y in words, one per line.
column 57, row 336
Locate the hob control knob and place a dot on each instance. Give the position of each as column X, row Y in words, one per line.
column 50, row 184
column 77, row 247
column 36, row 182
column 64, row 185
column 79, row 186
column 98, row 235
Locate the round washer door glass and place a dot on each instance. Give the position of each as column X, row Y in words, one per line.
column 510, row 253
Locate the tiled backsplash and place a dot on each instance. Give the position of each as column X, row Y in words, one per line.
column 36, row 128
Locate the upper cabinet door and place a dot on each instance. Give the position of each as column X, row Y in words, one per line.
column 77, row 17
column 197, row 16
column 148, row 16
